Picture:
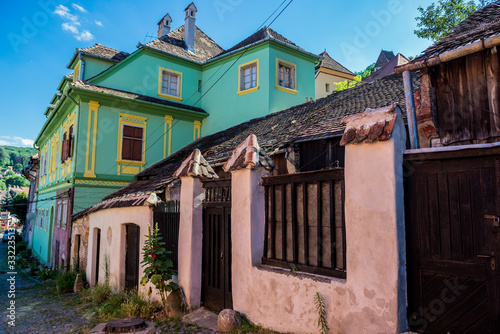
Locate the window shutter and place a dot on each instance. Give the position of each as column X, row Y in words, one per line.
column 292, row 78
column 70, row 143
column 63, row 147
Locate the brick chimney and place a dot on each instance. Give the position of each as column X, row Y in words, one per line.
column 190, row 27
column 164, row 25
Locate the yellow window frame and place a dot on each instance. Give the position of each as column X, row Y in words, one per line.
column 131, row 120
column 284, row 89
column 160, row 79
column 249, row 90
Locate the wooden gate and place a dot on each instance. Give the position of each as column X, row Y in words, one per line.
column 216, row 282
column 132, row 257
column 452, row 201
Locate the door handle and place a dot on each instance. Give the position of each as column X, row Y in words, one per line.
column 496, row 220
column 488, row 256
column 481, row 256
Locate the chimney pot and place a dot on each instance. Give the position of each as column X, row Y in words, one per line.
column 190, row 27
column 164, row 25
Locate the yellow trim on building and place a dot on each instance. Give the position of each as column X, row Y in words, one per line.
column 101, row 183
column 253, row 89
column 131, row 170
column 160, row 77
column 93, row 109
column 197, row 130
column 284, row 89
column 167, row 148
column 76, row 75
column 124, row 165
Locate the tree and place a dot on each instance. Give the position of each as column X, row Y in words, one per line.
column 438, row 20
column 366, row 72
column 3, row 186
column 19, row 206
column 18, row 168
column 16, row 181
column 347, row 84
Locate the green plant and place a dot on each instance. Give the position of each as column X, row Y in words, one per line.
column 320, row 308
column 158, row 267
column 65, row 281
column 47, row 273
column 293, row 268
column 21, row 247
column 106, row 269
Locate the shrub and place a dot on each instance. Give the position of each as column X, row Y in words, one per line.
column 65, row 281
column 21, row 247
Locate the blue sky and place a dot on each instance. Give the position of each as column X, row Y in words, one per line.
column 38, row 38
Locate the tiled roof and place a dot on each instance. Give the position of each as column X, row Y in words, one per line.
column 383, row 58
column 332, row 64
column 204, row 47
column 482, row 24
column 249, row 154
column 101, row 51
column 133, row 96
column 260, row 35
column 307, row 121
column 195, row 165
column 370, row 125
column 137, row 199
column 388, row 68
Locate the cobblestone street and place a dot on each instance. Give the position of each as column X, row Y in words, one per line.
column 38, row 309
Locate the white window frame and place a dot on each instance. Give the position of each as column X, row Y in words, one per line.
column 248, row 70
column 286, row 81
column 168, row 92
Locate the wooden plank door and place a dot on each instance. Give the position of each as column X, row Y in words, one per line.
column 217, row 258
column 132, row 258
column 453, row 245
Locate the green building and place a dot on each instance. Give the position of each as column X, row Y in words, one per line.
column 119, row 113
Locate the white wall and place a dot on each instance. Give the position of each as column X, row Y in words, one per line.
column 113, row 243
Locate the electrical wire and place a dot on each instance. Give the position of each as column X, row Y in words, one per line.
column 208, row 90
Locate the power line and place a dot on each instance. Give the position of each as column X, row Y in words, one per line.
column 208, row 90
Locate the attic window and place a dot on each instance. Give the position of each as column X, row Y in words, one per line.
column 248, row 77
column 170, row 84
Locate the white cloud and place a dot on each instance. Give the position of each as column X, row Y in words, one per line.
column 64, row 13
column 99, row 23
column 15, row 141
column 71, row 28
column 85, row 36
column 79, row 8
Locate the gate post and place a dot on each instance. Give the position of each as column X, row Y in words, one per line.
column 247, row 165
column 374, row 215
column 191, row 225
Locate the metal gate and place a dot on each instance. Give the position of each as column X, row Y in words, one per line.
column 452, row 201
column 216, row 281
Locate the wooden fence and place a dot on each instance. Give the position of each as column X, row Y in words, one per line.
column 305, row 227
column 167, row 215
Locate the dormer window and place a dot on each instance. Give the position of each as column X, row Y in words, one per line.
column 170, row 84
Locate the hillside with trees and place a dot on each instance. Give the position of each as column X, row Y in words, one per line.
column 18, row 158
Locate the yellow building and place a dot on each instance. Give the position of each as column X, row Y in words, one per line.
column 328, row 73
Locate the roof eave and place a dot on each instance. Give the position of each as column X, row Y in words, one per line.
column 462, row 51
column 185, row 110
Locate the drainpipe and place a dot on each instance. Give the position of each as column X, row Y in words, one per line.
column 411, row 113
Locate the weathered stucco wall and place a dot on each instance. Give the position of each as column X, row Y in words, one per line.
column 80, row 227
column 372, row 299
column 112, row 223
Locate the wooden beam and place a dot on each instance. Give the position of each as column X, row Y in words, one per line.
column 411, row 113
